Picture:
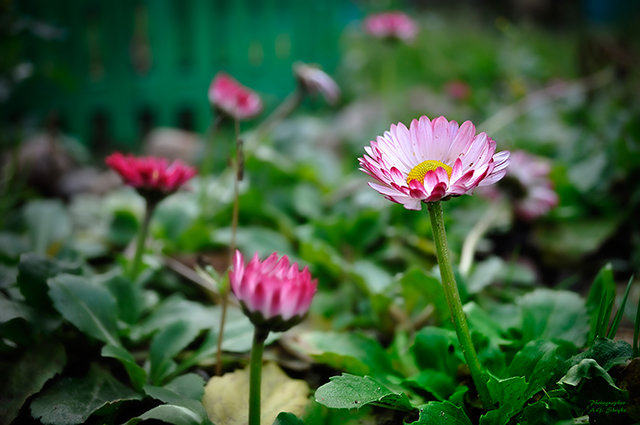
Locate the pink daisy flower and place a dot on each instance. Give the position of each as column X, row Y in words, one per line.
column 233, row 98
column 273, row 293
column 152, row 177
column 432, row 161
column 391, row 25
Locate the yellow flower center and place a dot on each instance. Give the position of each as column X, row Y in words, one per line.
column 419, row 171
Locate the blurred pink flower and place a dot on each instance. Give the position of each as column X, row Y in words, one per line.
column 391, row 25
column 233, row 98
column 527, row 183
column 315, row 81
column 151, row 176
column 458, row 89
column 273, row 293
column 431, row 161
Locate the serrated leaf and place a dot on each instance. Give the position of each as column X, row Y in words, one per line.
column 226, row 397
column 553, row 314
column 71, row 401
column 89, row 306
column 27, row 376
column 509, row 395
column 165, row 345
column 441, row 412
column 351, row 391
column 136, row 373
column 539, row 362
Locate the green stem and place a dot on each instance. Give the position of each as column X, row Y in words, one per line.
column 142, row 237
column 455, row 304
column 239, row 170
column 255, row 374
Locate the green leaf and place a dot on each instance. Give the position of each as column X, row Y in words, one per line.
column 509, row 396
column 27, row 376
column 442, row 385
column 350, row 391
column 546, row 411
column 606, row 352
column 173, row 309
column 136, row 373
column 171, row 414
column 371, row 277
column 186, row 391
column 128, row 297
column 87, row 305
column 123, row 227
column 437, row 349
column 616, row 320
column 165, row 345
column 441, row 412
column 600, row 302
column 419, row 290
column 286, row 418
column 539, row 362
column 481, row 321
column 72, row 400
column 48, row 224
column 548, row 314
column 33, row 272
column 352, row 352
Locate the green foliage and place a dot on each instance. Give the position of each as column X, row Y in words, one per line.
column 442, row 412
column 353, row 392
column 71, row 400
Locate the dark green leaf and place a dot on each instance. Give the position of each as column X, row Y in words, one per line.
column 548, row 314
column 87, row 305
column 165, row 345
column 72, row 400
column 136, row 373
column 509, row 396
column 350, row 391
column 616, row 320
column 27, row 376
column 546, row 411
column 123, row 227
column 441, row 412
column 286, row 418
column 128, row 297
column 606, row 352
column 33, row 272
column 186, row 391
column 600, row 302
column 437, row 349
column 539, row 362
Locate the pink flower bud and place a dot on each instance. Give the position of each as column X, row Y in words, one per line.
column 233, row 99
column 273, row 294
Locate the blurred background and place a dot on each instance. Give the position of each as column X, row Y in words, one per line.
column 557, row 79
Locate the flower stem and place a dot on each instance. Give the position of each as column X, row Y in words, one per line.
column 455, row 304
column 239, row 171
column 255, row 374
column 142, row 237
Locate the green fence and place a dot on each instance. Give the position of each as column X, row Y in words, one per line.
column 123, row 66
